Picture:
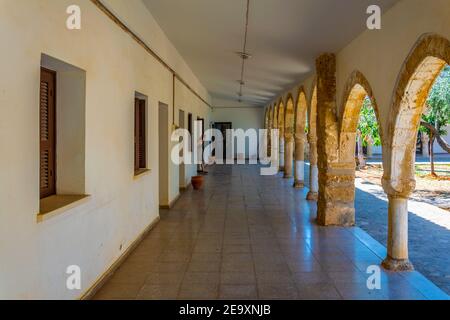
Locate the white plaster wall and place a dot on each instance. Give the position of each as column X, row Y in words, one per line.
column 187, row 102
column 34, row 256
column 380, row 54
column 242, row 118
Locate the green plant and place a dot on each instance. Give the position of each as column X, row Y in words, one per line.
column 437, row 114
column 368, row 125
column 437, row 111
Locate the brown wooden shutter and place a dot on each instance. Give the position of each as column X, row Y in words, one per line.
column 136, row 134
column 190, row 131
column 47, row 112
column 140, row 161
column 142, row 136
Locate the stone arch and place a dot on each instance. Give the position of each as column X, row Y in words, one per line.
column 300, row 112
column 313, row 193
column 289, row 124
column 312, row 113
column 266, row 118
column 274, row 117
column 269, row 117
column 299, row 133
column 422, row 66
column 356, row 90
column 271, row 128
column 281, row 133
column 280, row 112
column 289, row 117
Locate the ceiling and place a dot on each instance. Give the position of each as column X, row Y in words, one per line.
column 284, row 37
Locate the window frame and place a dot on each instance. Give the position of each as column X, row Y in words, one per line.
column 52, row 129
column 140, row 136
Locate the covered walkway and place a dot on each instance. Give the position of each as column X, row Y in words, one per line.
column 246, row 236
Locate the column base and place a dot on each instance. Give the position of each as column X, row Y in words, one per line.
column 299, row 184
column 289, row 176
column 335, row 214
column 392, row 264
column 312, row 196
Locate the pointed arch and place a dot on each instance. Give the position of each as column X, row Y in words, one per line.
column 300, row 112
column 421, row 68
column 356, row 90
column 275, row 116
column 289, row 117
column 312, row 139
column 266, row 118
column 269, row 117
column 312, row 113
column 280, row 112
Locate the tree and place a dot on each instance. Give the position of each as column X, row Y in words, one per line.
column 368, row 125
column 437, row 114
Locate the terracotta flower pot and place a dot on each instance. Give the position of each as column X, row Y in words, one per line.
column 197, row 182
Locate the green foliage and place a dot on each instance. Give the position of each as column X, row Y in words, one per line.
column 368, row 125
column 438, row 103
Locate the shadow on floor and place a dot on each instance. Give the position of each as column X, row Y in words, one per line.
column 429, row 243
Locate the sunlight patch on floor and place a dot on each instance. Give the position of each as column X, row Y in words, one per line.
column 424, row 210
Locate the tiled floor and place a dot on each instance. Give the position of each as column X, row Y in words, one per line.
column 247, row 236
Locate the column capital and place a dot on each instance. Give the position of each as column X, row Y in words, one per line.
column 312, row 139
column 288, row 137
column 300, row 137
column 398, row 188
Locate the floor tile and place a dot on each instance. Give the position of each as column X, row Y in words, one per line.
column 238, row 292
column 246, row 236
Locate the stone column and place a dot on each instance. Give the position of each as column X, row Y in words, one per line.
column 313, row 193
column 397, row 246
column 288, row 156
column 281, row 157
column 336, row 180
column 299, row 181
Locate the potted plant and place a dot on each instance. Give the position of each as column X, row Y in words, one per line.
column 197, row 182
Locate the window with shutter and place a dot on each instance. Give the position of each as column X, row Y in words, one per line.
column 190, row 131
column 142, row 136
column 47, row 113
column 140, row 141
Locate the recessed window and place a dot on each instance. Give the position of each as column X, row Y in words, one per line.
column 140, row 134
column 190, row 125
column 47, row 117
column 62, row 104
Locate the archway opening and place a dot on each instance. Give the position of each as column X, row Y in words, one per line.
column 368, row 139
column 360, row 131
column 300, row 131
column 433, row 149
column 419, row 72
column 280, row 118
column 289, row 124
column 313, row 193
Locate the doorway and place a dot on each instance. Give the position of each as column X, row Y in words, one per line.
column 182, row 166
column 223, row 127
column 163, row 131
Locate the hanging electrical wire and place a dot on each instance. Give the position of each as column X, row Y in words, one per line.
column 244, row 54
